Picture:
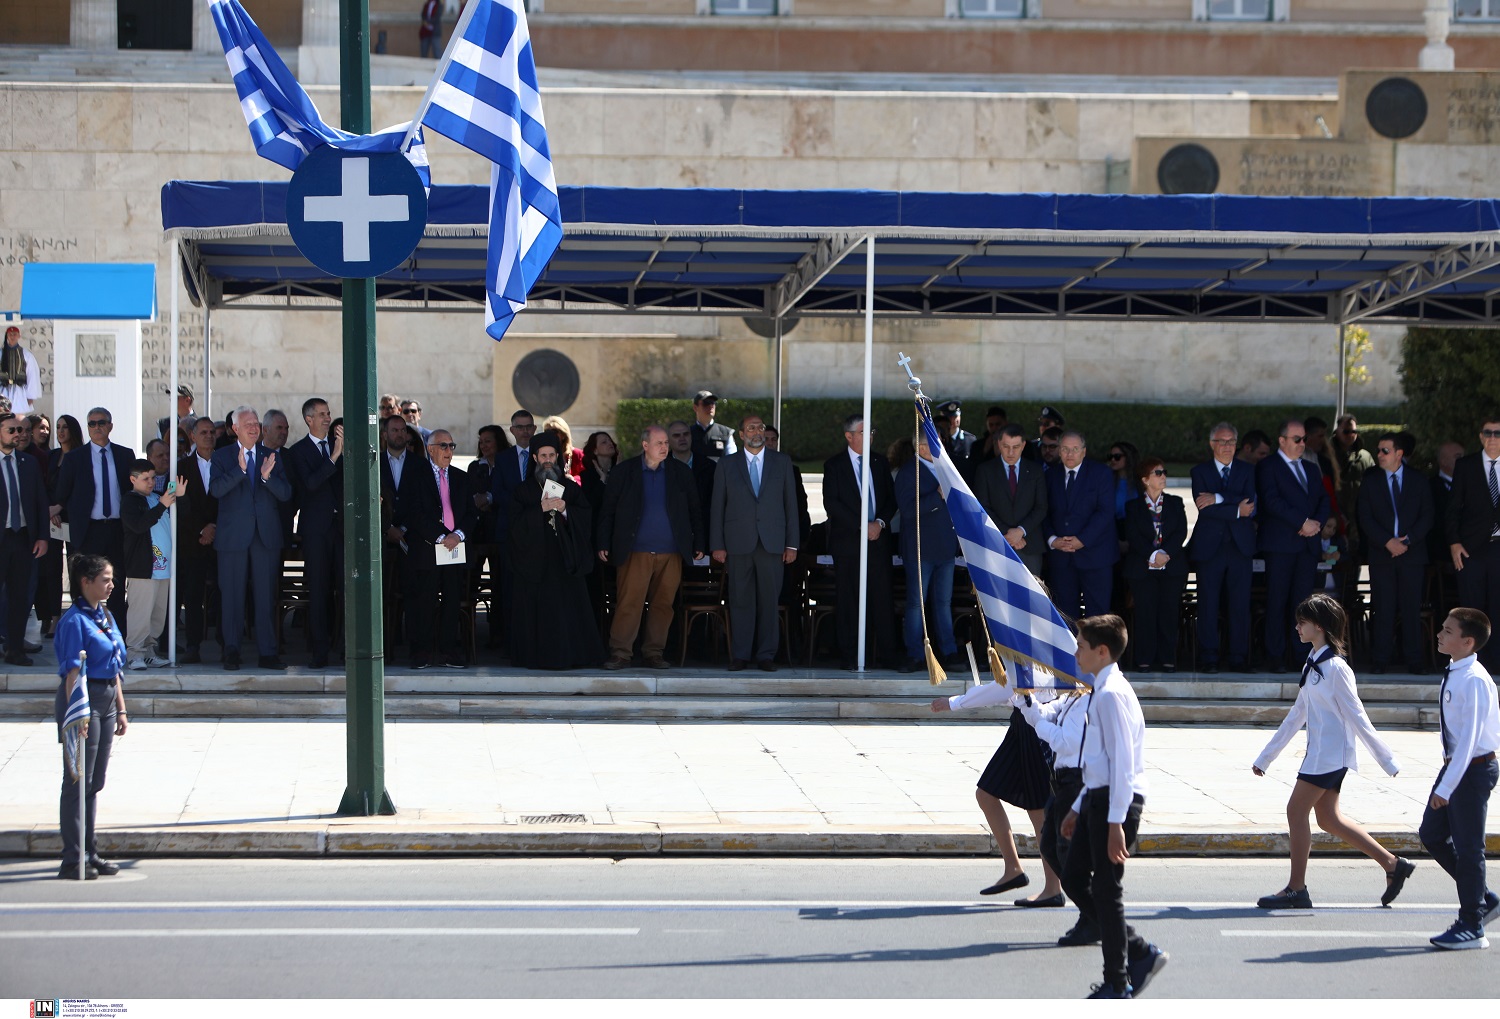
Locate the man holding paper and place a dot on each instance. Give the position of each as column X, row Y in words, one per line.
column 436, row 517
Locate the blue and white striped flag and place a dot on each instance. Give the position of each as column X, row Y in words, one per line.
column 1023, row 622
column 284, row 124
column 75, row 716
column 486, row 98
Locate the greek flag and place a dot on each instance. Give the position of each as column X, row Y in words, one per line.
column 1023, row 622
column 485, row 97
column 75, row 716
column 284, row 124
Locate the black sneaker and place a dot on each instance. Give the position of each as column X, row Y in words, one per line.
column 1082, row 933
column 1491, row 908
column 1397, row 880
column 1109, row 991
column 1143, row 969
column 1286, row 899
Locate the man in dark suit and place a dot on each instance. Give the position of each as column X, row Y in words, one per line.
column 1442, row 487
column 753, row 530
column 650, row 527
column 90, row 484
column 858, row 527
column 1013, row 491
column 512, row 466
column 1223, row 548
column 1291, row 506
column 197, row 520
column 315, row 463
column 1082, row 544
column 436, row 512
column 23, row 532
column 398, row 472
column 1474, row 529
column 250, row 483
column 680, row 438
column 1395, row 513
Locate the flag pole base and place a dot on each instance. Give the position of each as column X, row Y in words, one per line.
column 356, row 803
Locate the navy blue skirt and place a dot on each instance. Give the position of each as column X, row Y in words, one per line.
column 1328, row 780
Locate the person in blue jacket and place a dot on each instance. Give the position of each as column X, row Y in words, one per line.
column 939, row 549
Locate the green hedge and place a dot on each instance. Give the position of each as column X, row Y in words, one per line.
column 810, row 427
column 1452, row 383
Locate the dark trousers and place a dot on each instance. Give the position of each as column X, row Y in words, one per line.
column 1069, row 584
column 1093, row 881
column 1066, row 783
column 96, row 763
column 1158, row 616
column 1289, row 580
column 879, row 607
column 323, row 572
column 434, row 598
column 1224, row 575
column 1396, row 597
column 195, row 578
column 1478, row 588
column 262, row 567
column 17, row 567
column 48, row 599
column 107, row 538
column 1454, row 835
column 754, row 581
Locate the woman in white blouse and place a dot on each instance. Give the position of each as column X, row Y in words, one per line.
column 1330, row 708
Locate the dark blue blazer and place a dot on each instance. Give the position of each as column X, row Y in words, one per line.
column 1377, row 517
column 34, row 516
column 939, row 542
column 249, row 508
column 75, row 485
column 319, row 486
column 1282, row 506
column 1087, row 513
column 1221, row 523
column 505, row 479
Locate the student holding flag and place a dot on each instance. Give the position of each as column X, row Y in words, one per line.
column 93, row 718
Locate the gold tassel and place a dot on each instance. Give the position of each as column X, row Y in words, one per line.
column 997, row 667
column 935, row 673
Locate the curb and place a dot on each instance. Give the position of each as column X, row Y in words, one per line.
column 357, row 839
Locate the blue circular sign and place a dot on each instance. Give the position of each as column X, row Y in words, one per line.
column 356, row 214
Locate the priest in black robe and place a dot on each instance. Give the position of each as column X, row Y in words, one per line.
column 552, row 620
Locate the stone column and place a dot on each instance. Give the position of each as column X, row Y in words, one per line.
column 205, row 35
column 1437, row 55
column 94, row 25
column 318, row 56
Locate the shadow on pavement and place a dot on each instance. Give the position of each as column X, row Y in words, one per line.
column 899, row 912
column 947, row 954
column 1354, row 953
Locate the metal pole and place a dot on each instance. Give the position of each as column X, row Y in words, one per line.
column 176, row 277
column 84, row 778
column 864, row 461
column 208, row 393
column 1343, row 370
column 776, row 388
column 364, row 646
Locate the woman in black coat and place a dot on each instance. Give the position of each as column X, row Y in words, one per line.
column 1155, row 567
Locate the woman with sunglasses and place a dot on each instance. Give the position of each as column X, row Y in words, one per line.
column 1155, row 567
column 1123, row 460
column 1328, row 704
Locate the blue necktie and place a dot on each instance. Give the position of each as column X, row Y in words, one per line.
column 523, row 454
column 755, row 475
column 104, row 481
column 12, row 494
column 1442, row 719
column 1225, row 473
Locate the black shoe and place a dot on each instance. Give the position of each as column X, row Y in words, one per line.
column 849, row 665
column 1286, row 899
column 1082, row 933
column 271, row 662
column 910, row 665
column 1277, row 669
column 1147, row 668
column 421, row 663
column 1376, row 670
column 318, row 662
column 737, row 665
column 1110, row 991
column 1419, row 670
column 1169, row 668
column 954, row 660
column 1050, row 902
column 766, row 665
column 1211, row 669
column 18, row 658
column 1143, row 969
column 69, row 872
column 455, row 662
column 190, row 657
column 1019, row 881
column 1396, row 880
column 231, row 660
column 104, row 867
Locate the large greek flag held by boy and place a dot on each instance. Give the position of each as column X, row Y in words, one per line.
column 1023, row 622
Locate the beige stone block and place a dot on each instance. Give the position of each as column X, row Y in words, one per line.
column 575, row 122
column 929, row 175
column 105, row 119
column 872, row 127
column 943, row 126
column 1163, row 116
column 809, row 174
column 1093, row 178
column 125, row 171
column 45, row 119
column 87, row 210
column 1052, row 128
column 157, row 119
column 999, row 126
column 996, row 176
column 217, row 124
column 31, row 210
column 693, row 125
column 1105, row 128
column 1455, row 171
column 876, row 174
column 809, row 127
column 1224, row 116
column 1049, row 176
column 634, row 124
column 7, row 115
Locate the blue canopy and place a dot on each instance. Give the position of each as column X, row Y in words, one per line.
column 83, row 290
column 778, row 254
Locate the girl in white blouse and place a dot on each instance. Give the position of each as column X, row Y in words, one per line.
column 1330, row 708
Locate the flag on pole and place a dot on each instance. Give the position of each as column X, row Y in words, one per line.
column 75, row 717
column 485, row 97
column 284, row 124
column 1022, row 620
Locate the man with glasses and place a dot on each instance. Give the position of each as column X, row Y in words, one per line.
column 1046, row 420
column 1013, row 491
column 1223, row 547
column 411, row 410
column 1353, row 461
column 197, row 520
column 437, row 515
column 1474, row 529
column 90, row 484
column 1291, row 506
column 1395, row 514
column 859, row 527
column 512, row 467
column 1081, row 540
column 23, row 533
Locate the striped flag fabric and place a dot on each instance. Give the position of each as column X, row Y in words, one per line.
column 284, row 123
column 485, row 97
column 1023, row 622
column 75, row 716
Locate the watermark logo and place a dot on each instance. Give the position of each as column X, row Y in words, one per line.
column 45, row 1008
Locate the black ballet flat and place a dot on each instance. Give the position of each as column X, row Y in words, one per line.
column 1050, row 902
column 1397, row 880
column 1019, row 881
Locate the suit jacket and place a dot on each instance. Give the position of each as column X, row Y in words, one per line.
column 319, row 486
column 847, row 514
column 33, row 492
column 739, row 522
column 505, row 478
column 1282, row 506
column 420, row 510
column 1221, row 525
column 1027, row 509
column 249, row 507
column 939, row 542
column 1140, row 534
column 619, row 518
column 1471, row 515
column 1437, row 538
column 391, row 496
column 1087, row 512
column 75, row 485
column 196, row 508
column 1378, row 517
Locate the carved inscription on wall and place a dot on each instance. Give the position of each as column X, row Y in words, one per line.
column 1474, row 113
column 1281, row 169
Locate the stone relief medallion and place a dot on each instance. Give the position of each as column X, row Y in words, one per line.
column 1396, row 108
column 545, row 382
column 1188, row 169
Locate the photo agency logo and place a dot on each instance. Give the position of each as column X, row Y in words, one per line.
column 44, row 1008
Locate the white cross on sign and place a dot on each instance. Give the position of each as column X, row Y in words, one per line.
column 356, row 209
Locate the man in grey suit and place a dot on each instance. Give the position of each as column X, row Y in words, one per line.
column 753, row 528
column 1013, row 492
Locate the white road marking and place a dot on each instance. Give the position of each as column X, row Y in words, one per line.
column 328, row 932
column 1327, row 934
column 480, row 904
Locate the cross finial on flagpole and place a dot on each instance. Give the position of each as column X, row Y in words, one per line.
column 913, row 383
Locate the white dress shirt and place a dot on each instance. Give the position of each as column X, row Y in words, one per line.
column 205, row 466
column 1114, row 744
column 1062, row 723
column 1329, row 706
column 397, row 463
column 1470, row 718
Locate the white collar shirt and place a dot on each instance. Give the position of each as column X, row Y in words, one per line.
column 1329, row 706
column 1062, row 723
column 1470, row 718
column 1114, row 744
column 205, row 468
column 396, row 464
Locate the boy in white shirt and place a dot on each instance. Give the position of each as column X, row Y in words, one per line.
column 1103, row 822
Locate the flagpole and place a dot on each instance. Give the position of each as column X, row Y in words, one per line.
column 176, row 278
column 81, row 761
column 442, row 68
column 868, row 426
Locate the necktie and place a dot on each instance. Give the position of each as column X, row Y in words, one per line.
column 250, row 462
column 1301, row 477
column 12, row 494
column 1224, row 473
column 1012, row 473
column 755, row 475
column 443, row 495
column 1068, row 485
column 859, row 470
column 1442, row 715
column 524, row 454
column 1156, row 524
column 323, row 447
column 1396, row 505
column 1312, row 666
column 1494, row 486
column 104, row 482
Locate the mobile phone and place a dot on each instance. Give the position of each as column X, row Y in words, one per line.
column 171, row 486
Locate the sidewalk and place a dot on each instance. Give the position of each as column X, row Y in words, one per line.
column 269, row 787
